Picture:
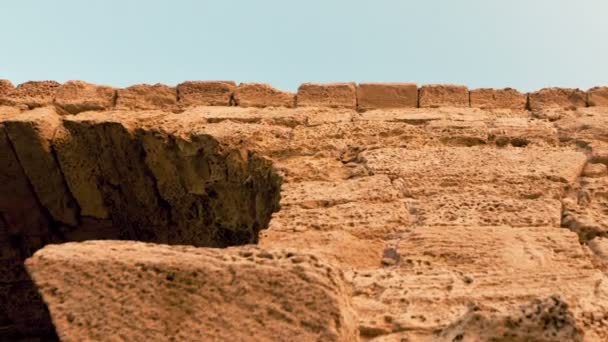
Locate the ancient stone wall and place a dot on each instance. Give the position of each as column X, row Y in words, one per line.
column 383, row 210
column 76, row 96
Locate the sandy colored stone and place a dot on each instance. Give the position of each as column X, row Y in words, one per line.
column 386, row 95
column 447, row 221
column 443, row 95
column 335, row 95
column 5, row 87
column 155, row 292
column 206, row 93
column 146, row 96
column 564, row 98
column 225, row 212
column 78, row 96
column 262, row 95
column 595, row 170
column 498, row 98
column 598, row 96
column 23, row 229
column 445, row 274
column 522, row 132
column 31, row 133
column 31, row 94
column 584, row 207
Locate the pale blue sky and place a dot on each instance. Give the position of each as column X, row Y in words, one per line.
column 526, row 44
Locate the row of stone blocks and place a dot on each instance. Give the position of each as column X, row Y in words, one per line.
column 78, row 96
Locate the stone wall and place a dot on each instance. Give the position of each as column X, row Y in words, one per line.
column 74, row 97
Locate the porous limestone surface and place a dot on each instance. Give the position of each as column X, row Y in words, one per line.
column 420, row 224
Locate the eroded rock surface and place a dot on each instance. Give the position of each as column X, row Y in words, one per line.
column 448, row 223
column 187, row 293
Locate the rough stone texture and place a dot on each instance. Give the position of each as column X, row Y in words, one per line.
column 443, row 95
column 498, row 98
column 562, row 98
column 78, row 96
column 5, row 87
column 31, row 94
column 335, row 95
column 31, row 134
column 146, row 96
column 546, row 319
column 595, row 170
column 449, row 223
column 24, row 228
column 585, row 206
column 148, row 292
column 444, row 273
column 206, row 93
column 597, row 96
column 386, row 95
column 262, row 95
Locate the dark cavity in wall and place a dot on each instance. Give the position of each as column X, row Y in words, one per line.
column 141, row 185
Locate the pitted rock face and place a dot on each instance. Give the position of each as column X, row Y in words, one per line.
column 428, row 212
column 189, row 293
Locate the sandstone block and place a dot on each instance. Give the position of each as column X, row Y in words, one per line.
column 498, row 98
column 444, row 95
column 557, row 98
column 146, row 96
column 387, row 95
column 31, row 94
column 148, row 292
column 78, row 96
column 327, row 95
column 598, row 96
column 206, row 93
column 262, row 95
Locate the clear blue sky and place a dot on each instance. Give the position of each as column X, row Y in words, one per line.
column 527, row 44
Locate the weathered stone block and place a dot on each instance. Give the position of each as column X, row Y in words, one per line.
column 78, row 96
column 206, row 93
column 30, row 94
column 262, row 95
column 327, row 95
column 387, row 95
column 146, row 96
column 598, row 96
column 443, row 95
column 139, row 291
column 567, row 98
column 498, row 98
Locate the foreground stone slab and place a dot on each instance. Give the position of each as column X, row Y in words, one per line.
column 498, row 98
column 327, row 95
column 78, row 96
column 100, row 290
column 387, row 95
column 262, row 95
column 443, row 95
